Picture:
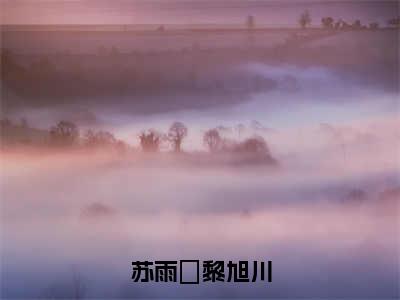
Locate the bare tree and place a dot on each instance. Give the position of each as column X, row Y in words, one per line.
column 212, row 140
column 65, row 133
column 150, row 140
column 100, row 138
column 177, row 132
column 305, row 19
column 327, row 22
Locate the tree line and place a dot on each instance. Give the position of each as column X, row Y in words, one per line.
column 66, row 134
column 328, row 22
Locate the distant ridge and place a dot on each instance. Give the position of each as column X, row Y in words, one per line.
column 137, row 27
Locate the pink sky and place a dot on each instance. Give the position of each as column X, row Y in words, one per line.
column 267, row 12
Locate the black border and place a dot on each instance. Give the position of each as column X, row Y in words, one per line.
column 180, row 272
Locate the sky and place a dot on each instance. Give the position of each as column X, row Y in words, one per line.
column 324, row 93
column 266, row 12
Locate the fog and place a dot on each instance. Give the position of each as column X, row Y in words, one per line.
column 323, row 207
column 75, row 221
column 302, row 97
column 84, row 220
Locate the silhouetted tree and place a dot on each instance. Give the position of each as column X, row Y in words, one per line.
column 394, row 22
column 100, row 138
column 89, row 138
column 255, row 144
column 251, row 150
column 357, row 24
column 250, row 22
column 212, row 140
column 305, row 19
column 338, row 24
column 327, row 22
column 105, row 138
column 65, row 133
column 255, row 150
column 150, row 140
column 374, row 25
column 177, row 132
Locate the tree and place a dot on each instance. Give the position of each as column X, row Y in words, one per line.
column 338, row 24
column 150, row 140
column 394, row 22
column 327, row 22
column 255, row 149
column 250, row 22
column 89, row 138
column 212, row 140
column 177, row 132
column 255, row 144
column 65, row 133
column 345, row 25
column 251, row 150
column 305, row 19
column 374, row 25
column 357, row 24
column 100, row 138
